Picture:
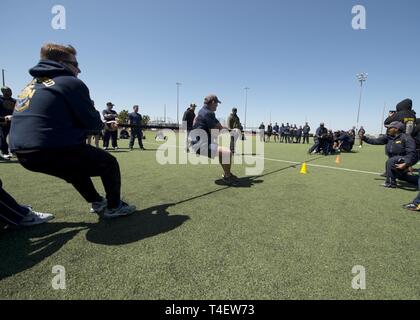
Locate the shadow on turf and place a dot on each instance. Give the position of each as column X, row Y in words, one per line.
column 141, row 225
column 19, row 252
column 22, row 249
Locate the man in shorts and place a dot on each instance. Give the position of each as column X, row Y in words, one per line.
column 207, row 146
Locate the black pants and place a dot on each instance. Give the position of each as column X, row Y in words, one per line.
column 393, row 174
column 136, row 134
column 113, row 135
column 11, row 212
column 306, row 138
column 4, row 132
column 77, row 165
column 320, row 144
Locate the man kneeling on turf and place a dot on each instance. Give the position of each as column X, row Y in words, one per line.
column 206, row 121
column 51, row 119
column 402, row 153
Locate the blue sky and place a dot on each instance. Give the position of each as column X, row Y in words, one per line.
column 300, row 58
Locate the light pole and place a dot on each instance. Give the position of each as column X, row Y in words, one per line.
column 246, row 105
column 362, row 77
column 2, row 75
column 178, row 84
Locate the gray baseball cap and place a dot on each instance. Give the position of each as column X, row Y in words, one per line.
column 397, row 125
column 211, row 98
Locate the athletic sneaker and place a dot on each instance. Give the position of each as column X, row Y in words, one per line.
column 412, row 207
column 231, row 179
column 99, row 207
column 6, row 156
column 389, row 185
column 35, row 218
column 123, row 210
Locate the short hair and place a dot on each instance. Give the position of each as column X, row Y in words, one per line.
column 136, row 106
column 57, row 52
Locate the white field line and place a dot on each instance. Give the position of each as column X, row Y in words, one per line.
column 294, row 162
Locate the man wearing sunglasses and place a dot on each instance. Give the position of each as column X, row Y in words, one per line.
column 52, row 117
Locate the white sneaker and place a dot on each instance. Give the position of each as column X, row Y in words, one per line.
column 99, row 207
column 6, row 156
column 35, row 218
column 123, row 210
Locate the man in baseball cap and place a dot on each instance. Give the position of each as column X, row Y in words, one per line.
column 206, row 122
column 402, row 153
column 211, row 99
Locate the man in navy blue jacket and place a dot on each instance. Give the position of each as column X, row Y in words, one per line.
column 135, row 120
column 52, row 117
column 402, row 153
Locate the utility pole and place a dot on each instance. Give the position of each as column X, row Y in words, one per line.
column 383, row 119
column 178, row 84
column 2, row 75
column 246, row 105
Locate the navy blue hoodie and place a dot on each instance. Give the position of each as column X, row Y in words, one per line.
column 53, row 111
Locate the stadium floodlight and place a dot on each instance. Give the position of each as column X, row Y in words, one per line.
column 362, row 78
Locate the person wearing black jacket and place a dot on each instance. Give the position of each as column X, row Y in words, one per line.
column 405, row 114
column 51, row 119
column 109, row 132
column 402, row 153
column 189, row 117
column 188, row 121
column 306, row 132
column 7, row 104
column 321, row 141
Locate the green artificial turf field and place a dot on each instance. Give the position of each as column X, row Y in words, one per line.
column 282, row 235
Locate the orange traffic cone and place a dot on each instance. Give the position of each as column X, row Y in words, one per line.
column 304, row 169
column 338, row 160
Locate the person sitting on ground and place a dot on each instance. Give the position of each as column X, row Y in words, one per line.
column 51, row 119
column 401, row 150
column 345, row 141
column 206, row 121
column 124, row 134
column 321, row 144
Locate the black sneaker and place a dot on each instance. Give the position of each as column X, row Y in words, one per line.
column 230, row 179
column 412, row 207
column 389, row 185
